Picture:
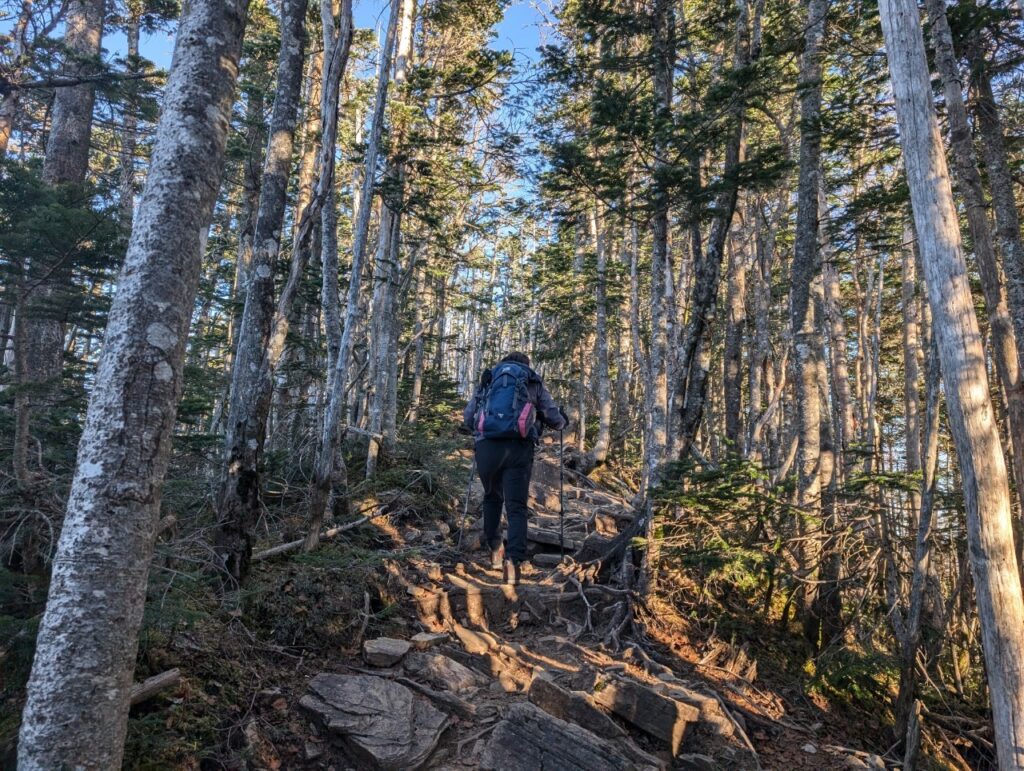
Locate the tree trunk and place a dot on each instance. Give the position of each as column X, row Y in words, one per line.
column 656, row 438
column 1004, row 344
column 238, row 504
column 387, row 273
column 599, row 453
column 131, row 122
column 40, row 330
column 11, row 103
column 806, row 327
column 320, row 487
column 962, row 356
column 694, row 353
column 77, row 705
column 733, row 364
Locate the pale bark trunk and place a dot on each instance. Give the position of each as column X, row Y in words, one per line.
column 656, row 436
column 1004, row 343
column 733, row 364
column 1001, row 184
column 40, row 332
column 599, row 453
column 238, row 505
column 972, row 422
column 77, row 705
column 327, row 451
column 387, row 273
column 418, row 331
column 836, row 328
column 130, row 125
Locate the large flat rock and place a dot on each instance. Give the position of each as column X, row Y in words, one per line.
column 529, row 739
column 381, row 723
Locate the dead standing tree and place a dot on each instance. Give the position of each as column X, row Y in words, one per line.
column 962, row 359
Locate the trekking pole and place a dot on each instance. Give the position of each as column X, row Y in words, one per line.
column 465, row 508
column 561, row 494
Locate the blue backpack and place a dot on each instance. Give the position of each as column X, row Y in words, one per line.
column 504, row 409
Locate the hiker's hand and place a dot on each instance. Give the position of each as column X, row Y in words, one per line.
column 465, row 430
column 565, row 419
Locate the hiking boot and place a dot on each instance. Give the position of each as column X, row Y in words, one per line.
column 497, row 557
column 513, row 573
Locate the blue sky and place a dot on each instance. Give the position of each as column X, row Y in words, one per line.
column 520, row 31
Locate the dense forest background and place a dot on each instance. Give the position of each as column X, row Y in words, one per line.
column 694, row 216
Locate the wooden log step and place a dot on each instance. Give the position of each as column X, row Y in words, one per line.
column 551, row 538
column 657, row 715
column 529, row 739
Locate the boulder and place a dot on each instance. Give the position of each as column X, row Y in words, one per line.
column 380, row 723
column 529, row 739
column 385, row 651
column 442, row 672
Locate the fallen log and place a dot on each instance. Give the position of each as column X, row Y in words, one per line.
column 151, row 686
column 291, row 546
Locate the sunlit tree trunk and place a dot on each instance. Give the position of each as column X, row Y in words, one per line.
column 806, row 326
column 387, row 272
column 129, row 127
column 599, row 452
column 733, row 364
column 965, row 166
column 972, row 422
column 77, row 707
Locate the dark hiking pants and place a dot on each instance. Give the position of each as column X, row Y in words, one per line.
column 505, row 466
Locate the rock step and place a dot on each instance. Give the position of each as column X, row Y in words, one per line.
column 380, row 724
column 529, row 739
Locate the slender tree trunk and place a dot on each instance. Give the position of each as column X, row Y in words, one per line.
column 806, row 327
column 320, row 488
column 836, row 329
column 694, row 353
column 40, row 331
column 908, row 628
column 238, row 505
column 77, row 706
column 418, row 332
column 656, row 438
column 387, row 273
column 599, row 453
column 972, row 422
column 733, row 364
column 130, row 125
column 1004, row 344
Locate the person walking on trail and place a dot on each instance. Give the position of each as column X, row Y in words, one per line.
column 505, row 416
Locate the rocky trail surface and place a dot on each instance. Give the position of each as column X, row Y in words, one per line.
column 548, row 674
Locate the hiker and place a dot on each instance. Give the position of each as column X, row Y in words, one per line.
column 503, row 415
